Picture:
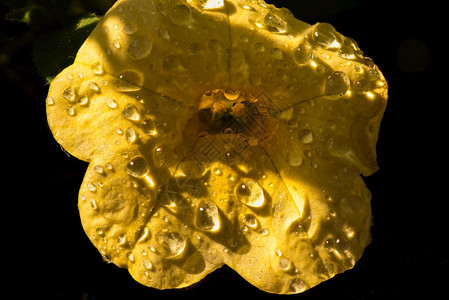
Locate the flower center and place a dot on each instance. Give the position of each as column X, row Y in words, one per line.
column 232, row 113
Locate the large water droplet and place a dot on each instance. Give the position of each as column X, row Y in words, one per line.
column 137, row 167
column 69, row 94
column 250, row 192
column 139, row 47
column 275, row 23
column 305, row 136
column 250, row 220
column 128, row 81
column 97, row 68
column 206, row 216
column 148, row 126
column 294, row 159
column 131, row 113
column 337, row 83
column 297, row 285
column 325, row 36
column 130, row 134
column 213, row 4
column 303, row 53
column 180, row 15
column 285, row 264
column 173, row 243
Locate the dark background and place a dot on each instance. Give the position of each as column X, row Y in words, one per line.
column 49, row 256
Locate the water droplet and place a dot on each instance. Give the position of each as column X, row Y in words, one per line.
column 99, row 169
column 163, row 33
column 303, row 53
column 297, row 285
column 97, row 68
column 338, row 146
column 130, row 135
column 128, row 81
column 346, row 52
column 83, row 100
column 294, row 159
column 148, row 126
column 111, row 103
column 116, row 44
column 325, row 36
column 130, row 257
column 362, row 85
column 91, row 187
column 206, row 216
column 131, row 113
column 250, row 220
column 147, row 264
column 213, row 4
column 137, row 167
column 285, row 264
column 337, row 83
column 93, row 86
column 275, row 23
column 129, row 28
column 108, row 166
column 120, row 8
column 93, row 204
column 351, row 204
column 100, row 231
column 305, row 136
column 69, row 94
column 70, row 110
column 250, row 192
column 173, row 243
column 139, row 47
column 180, row 15
column 50, row 101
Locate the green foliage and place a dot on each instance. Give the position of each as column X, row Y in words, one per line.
column 52, row 29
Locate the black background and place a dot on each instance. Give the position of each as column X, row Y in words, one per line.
column 48, row 254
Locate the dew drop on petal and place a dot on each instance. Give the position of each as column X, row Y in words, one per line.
column 294, row 159
column 250, row 220
column 250, row 192
column 337, row 83
column 128, row 81
column 173, row 243
column 275, row 23
column 139, row 47
column 130, row 135
column 303, row 53
column 111, row 103
column 131, row 113
column 305, row 136
column 324, row 35
column 137, row 167
column 297, row 285
column 148, row 126
column 70, row 110
column 180, row 15
column 97, row 68
column 206, row 216
column 69, row 94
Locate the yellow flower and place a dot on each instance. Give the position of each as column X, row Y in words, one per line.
column 221, row 132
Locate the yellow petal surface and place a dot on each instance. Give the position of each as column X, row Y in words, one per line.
column 221, row 132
